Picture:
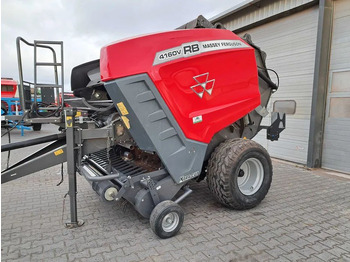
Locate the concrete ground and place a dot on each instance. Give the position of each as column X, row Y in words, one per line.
column 305, row 217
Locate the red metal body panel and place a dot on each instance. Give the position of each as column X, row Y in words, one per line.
column 7, row 84
column 229, row 75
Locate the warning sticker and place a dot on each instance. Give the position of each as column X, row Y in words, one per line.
column 122, row 109
column 69, row 121
column 196, row 48
column 58, row 152
column 126, row 122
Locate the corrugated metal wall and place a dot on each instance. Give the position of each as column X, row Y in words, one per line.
column 290, row 46
column 259, row 11
column 336, row 145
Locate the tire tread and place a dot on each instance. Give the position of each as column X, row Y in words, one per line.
column 220, row 164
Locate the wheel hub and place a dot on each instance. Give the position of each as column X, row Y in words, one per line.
column 170, row 222
column 250, row 176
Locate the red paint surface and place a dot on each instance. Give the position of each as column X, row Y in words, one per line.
column 8, row 82
column 235, row 91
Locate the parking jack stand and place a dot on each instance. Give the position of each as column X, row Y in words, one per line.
column 71, row 166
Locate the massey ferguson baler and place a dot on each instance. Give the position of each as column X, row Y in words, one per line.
column 161, row 110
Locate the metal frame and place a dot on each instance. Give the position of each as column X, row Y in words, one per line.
column 320, row 83
column 72, row 169
column 55, row 64
column 144, row 190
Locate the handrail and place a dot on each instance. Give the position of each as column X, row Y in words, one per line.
column 20, row 67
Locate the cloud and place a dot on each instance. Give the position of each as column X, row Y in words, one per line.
column 86, row 25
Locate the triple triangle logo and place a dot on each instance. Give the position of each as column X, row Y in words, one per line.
column 203, row 85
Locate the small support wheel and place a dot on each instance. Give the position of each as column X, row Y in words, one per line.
column 166, row 219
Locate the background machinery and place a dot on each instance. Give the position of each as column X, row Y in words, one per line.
column 11, row 108
column 159, row 111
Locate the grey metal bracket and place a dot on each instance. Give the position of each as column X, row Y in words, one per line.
column 98, row 133
column 152, row 189
column 187, row 192
column 124, row 187
column 121, row 192
column 88, row 174
column 130, row 182
column 277, row 126
column 262, row 111
column 72, row 168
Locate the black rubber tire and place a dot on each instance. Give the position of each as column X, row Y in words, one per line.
column 158, row 214
column 36, row 127
column 223, row 171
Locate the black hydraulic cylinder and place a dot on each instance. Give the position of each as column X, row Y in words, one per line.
column 33, row 142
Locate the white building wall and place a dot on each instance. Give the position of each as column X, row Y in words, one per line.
column 259, row 10
column 336, row 143
column 290, row 46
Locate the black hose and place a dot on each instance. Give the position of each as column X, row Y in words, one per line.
column 91, row 107
column 267, row 80
column 269, row 69
column 19, row 121
column 9, row 153
column 59, row 183
column 35, row 108
column 32, row 142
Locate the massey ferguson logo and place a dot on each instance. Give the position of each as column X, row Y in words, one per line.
column 203, row 85
column 196, row 48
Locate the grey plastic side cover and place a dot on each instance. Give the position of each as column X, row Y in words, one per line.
column 154, row 128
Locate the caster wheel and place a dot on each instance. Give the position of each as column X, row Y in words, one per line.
column 166, row 219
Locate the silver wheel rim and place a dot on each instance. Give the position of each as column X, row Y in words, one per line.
column 250, row 176
column 170, row 222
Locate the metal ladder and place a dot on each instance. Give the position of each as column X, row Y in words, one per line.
column 37, row 106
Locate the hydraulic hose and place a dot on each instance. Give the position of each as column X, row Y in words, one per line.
column 267, row 80
column 19, row 121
